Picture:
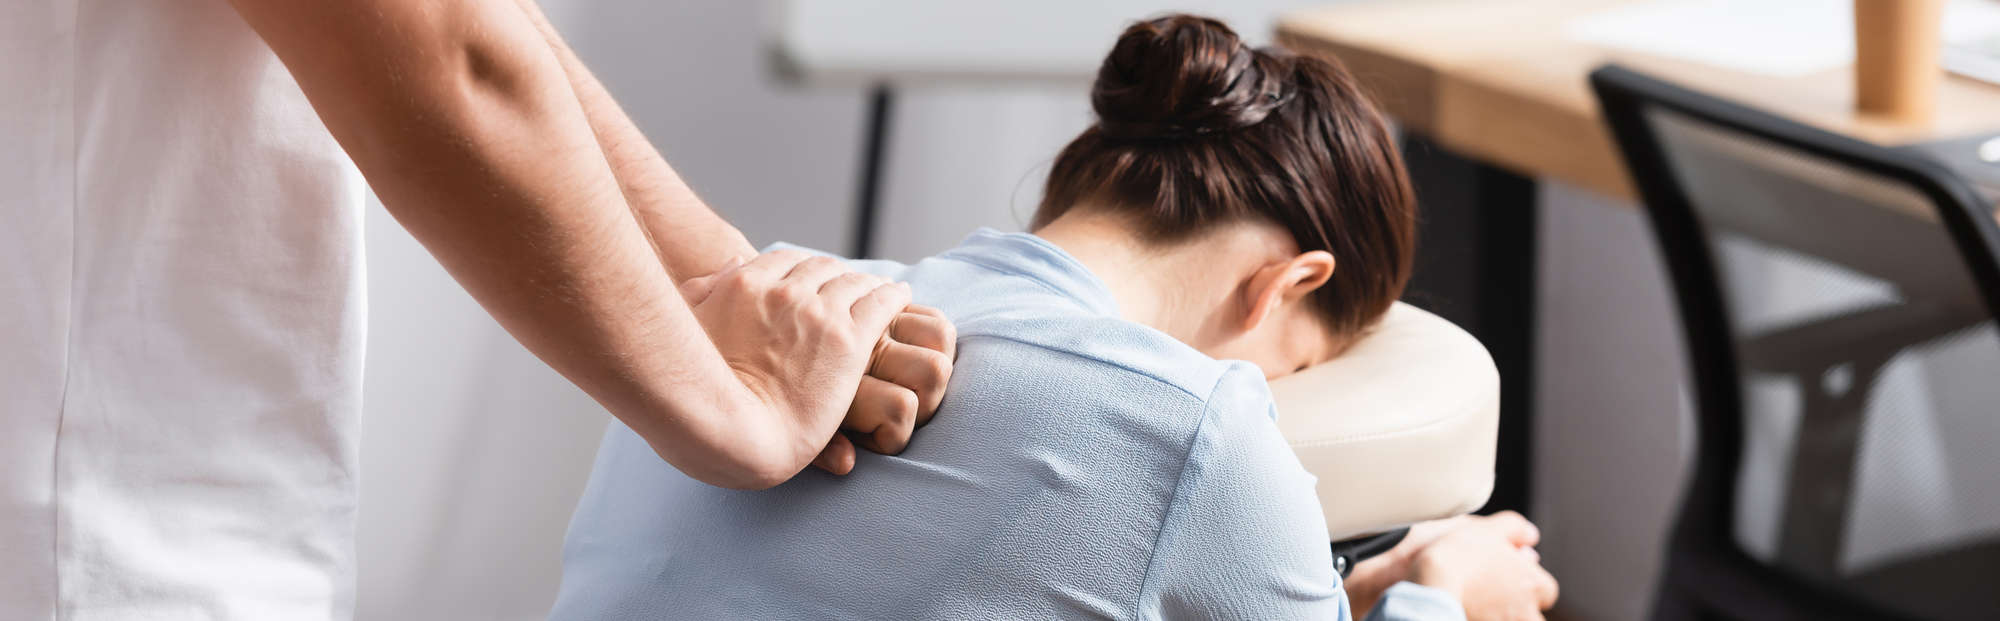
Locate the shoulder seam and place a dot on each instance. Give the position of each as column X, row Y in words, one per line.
column 1180, row 480
column 1141, row 372
column 982, row 264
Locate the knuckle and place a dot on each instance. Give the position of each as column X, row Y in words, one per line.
column 739, row 280
column 889, row 298
column 936, row 367
column 791, row 296
column 903, row 410
column 819, row 316
column 893, row 438
column 858, row 280
column 917, row 329
column 896, row 446
column 820, row 263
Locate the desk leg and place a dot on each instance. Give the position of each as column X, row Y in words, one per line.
column 868, row 193
column 1475, row 265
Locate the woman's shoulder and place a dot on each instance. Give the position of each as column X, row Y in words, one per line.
column 1109, row 346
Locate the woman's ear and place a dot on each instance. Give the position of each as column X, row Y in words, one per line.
column 1287, row 282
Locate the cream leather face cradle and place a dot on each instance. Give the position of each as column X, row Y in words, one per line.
column 1406, row 419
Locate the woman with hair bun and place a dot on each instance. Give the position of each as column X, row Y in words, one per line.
column 1107, row 447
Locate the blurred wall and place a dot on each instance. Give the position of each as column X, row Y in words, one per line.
column 474, row 452
column 1614, row 424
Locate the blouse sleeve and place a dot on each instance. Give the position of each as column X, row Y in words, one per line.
column 1244, row 537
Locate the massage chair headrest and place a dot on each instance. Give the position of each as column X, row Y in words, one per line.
column 1400, row 428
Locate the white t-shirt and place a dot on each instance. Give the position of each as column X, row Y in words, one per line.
column 181, row 321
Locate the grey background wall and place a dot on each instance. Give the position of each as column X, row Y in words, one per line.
column 474, row 452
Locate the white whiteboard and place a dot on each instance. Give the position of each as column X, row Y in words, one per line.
column 905, row 41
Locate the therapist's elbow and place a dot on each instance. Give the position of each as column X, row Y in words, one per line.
column 473, row 83
column 497, row 74
column 477, row 82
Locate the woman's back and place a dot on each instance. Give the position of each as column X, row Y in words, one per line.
column 1081, row 465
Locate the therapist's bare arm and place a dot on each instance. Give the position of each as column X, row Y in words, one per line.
column 463, row 122
column 693, row 239
column 909, row 375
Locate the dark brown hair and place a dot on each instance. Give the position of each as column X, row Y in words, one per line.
column 1195, row 128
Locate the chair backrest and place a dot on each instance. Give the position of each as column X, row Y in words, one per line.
column 1838, row 300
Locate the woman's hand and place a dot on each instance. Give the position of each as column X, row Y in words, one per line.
column 1371, row 577
column 798, row 331
column 1488, row 562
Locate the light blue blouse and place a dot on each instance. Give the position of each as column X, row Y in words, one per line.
column 1080, row 466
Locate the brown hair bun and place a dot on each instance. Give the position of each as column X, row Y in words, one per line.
column 1182, row 75
column 1195, row 129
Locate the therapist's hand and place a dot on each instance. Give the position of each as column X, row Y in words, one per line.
column 799, row 331
column 905, row 383
column 910, row 365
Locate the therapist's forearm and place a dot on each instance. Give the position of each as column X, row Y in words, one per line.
column 690, row 237
column 462, row 121
column 692, row 240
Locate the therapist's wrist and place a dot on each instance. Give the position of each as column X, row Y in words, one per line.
column 728, row 434
column 760, row 453
column 762, row 440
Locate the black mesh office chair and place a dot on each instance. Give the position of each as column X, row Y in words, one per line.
column 1838, row 301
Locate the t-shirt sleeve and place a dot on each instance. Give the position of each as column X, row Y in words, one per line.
column 1243, row 537
column 879, row 267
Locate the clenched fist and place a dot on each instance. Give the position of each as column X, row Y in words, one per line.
column 799, row 332
column 907, row 362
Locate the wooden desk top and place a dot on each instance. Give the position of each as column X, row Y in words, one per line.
column 1499, row 81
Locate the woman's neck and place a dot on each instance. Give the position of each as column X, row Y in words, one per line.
column 1174, row 288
